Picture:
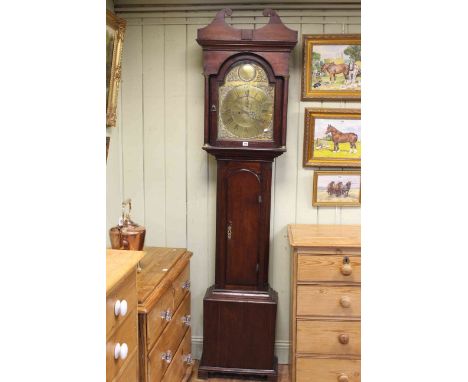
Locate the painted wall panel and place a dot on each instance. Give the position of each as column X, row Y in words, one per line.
column 132, row 122
column 197, row 177
column 154, row 135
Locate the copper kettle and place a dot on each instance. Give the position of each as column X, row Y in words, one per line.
column 127, row 234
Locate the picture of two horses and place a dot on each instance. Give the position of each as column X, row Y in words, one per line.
column 337, row 188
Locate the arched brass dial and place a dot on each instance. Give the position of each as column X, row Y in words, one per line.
column 246, row 104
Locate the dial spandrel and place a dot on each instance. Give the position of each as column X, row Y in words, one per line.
column 246, row 104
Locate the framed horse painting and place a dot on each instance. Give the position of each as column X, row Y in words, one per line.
column 332, row 67
column 332, row 138
column 337, row 188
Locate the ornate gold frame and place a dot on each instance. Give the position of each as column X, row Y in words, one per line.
column 310, row 116
column 309, row 41
column 334, row 204
column 118, row 24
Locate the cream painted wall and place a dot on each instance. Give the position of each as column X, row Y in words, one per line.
column 156, row 158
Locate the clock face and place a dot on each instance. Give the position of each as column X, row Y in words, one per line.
column 246, row 104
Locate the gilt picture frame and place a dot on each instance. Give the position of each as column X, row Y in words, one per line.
column 332, row 138
column 337, row 189
column 331, row 67
column 115, row 29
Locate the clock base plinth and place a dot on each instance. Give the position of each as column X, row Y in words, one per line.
column 239, row 334
column 205, row 372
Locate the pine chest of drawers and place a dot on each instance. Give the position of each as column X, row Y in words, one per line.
column 121, row 316
column 325, row 303
column 163, row 286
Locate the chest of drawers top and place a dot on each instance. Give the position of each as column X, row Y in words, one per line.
column 323, row 237
column 119, row 264
column 159, row 268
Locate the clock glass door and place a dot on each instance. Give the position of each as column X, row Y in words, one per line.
column 246, row 104
column 243, row 227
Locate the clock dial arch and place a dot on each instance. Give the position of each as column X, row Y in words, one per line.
column 245, row 103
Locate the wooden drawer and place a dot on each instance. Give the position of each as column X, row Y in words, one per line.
column 327, row 370
column 180, row 370
column 181, row 286
column 130, row 372
column 125, row 333
column 125, row 290
column 328, row 268
column 156, row 321
column 169, row 341
column 328, row 300
column 329, row 337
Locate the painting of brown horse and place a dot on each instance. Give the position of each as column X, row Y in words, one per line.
column 333, row 69
column 339, row 137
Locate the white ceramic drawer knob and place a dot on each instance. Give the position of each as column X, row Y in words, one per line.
column 123, row 351
column 120, row 351
column 345, row 302
column 343, row 378
column 123, row 307
column 117, row 308
column 117, row 351
column 120, row 308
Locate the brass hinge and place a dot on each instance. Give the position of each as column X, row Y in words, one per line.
column 259, row 198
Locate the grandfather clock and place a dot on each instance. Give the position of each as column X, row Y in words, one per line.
column 246, row 96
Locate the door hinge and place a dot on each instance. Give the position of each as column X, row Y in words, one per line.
column 259, row 198
column 257, row 267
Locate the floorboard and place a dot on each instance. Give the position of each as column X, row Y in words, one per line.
column 283, row 371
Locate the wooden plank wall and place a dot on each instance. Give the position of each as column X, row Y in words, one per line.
column 156, row 157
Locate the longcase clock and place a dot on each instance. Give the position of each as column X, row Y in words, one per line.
column 246, row 95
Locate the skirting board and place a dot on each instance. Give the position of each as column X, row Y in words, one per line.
column 281, row 349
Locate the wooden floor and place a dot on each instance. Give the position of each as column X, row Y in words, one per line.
column 283, row 371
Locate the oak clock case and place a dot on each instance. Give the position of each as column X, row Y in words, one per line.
column 246, row 90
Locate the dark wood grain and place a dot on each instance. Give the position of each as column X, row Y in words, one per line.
column 244, row 189
column 283, row 375
column 240, row 309
column 246, row 323
column 224, row 46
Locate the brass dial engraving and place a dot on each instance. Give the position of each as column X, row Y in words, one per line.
column 246, row 104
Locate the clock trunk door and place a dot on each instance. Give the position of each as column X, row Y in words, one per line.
column 243, row 223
